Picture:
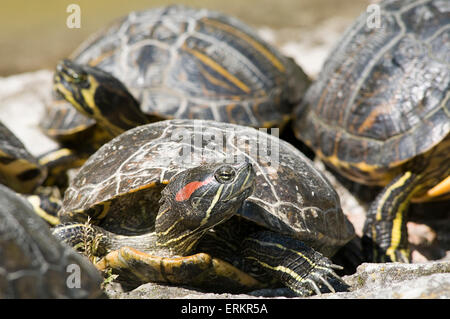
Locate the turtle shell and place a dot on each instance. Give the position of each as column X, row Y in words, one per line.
column 382, row 97
column 63, row 123
column 180, row 62
column 19, row 169
column 33, row 264
column 121, row 183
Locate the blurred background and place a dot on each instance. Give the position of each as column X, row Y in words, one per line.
column 34, row 34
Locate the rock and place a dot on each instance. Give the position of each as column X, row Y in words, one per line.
column 371, row 281
column 22, row 105
column 157, row 291
column 399, row 281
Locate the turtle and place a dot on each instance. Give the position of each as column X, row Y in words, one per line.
column 33, row 264
column 207, row 204
column 19, row 169
column 379, row 114
column 180, row 62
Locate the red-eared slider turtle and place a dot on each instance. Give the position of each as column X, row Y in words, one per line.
column 170, row 201
column 180, row 62
column 19, row 169
column 35, row 265
column 379, row 114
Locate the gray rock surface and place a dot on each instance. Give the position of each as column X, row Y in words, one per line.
column 22, row 104
column 429, row 280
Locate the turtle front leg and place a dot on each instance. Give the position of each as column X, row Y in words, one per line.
column 385, row 235
column 299, row 267
column 199, row 270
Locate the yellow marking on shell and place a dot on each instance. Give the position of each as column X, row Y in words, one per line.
column 218, row 68
column 440, row 189
column 137, row 189
column 55, row 155
column 213, row 203
column 384, row 179
column 101, row 57
column 35, row 202
column 216, row 81
column 256, row 44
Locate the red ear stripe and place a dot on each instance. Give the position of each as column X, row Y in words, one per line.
column 186, row 192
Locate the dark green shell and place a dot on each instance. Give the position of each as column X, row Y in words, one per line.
column 382, row 97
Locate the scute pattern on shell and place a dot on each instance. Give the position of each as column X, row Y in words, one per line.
column 180, row 62
column 383, row 94
column 295, row 197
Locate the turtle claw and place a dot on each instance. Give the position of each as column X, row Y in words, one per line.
column 323, row 276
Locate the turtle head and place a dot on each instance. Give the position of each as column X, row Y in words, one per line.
column 197, row 199
column 99, row 95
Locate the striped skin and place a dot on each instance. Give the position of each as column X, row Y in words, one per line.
column 180, row 62
column 425, row 178
column 206, row 200
column 293, row 263
column 94, row 94
column 385, row 230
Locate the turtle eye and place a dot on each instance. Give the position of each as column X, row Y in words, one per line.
column 76, row 76
column 225, row 174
